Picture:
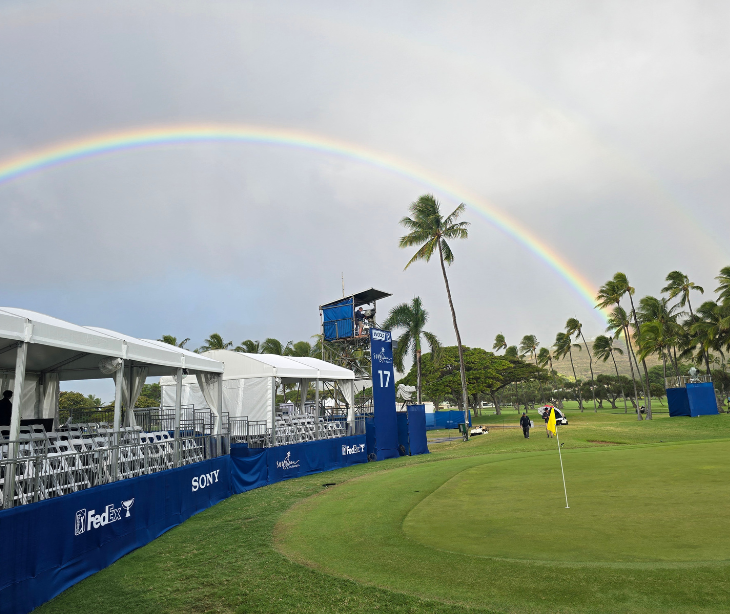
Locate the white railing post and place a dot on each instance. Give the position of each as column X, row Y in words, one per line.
column 20, row 360
column 119, row 379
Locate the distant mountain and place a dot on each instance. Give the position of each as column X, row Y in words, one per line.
column 582, row 368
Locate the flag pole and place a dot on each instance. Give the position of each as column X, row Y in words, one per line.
column 557, row 437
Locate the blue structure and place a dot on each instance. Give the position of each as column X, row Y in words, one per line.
column 412, row 430
column 693, row 400
column 384, row 437
column 445, row 420
column 338, row 317
column 51, row 545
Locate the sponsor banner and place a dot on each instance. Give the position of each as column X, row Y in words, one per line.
column 285, row 462
column 383, row 377
column 50, row 545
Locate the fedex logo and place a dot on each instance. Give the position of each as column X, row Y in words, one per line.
column 87, row 521
column 357, row 448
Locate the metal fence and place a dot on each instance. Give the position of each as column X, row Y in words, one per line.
column 33, row 470
column 681, row 381
column 289, row 430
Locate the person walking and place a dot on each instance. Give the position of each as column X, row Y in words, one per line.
column 546, row 417
column 525, row 424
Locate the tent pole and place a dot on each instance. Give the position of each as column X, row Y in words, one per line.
column 219, row 416
column 21, row 358
column 178, row 404
column 273, row 410
column 351, row 410
column 317, row 434
column 117, row 419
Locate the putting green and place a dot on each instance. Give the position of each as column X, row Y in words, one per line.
column 651, row 504
column 643, row 521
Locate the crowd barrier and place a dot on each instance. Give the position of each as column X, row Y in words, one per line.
column 412, row 431
column 50, row 545
column 445, row 420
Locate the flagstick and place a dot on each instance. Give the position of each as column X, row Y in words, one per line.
column 561, row 467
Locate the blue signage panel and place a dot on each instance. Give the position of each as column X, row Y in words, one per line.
column 386, row 425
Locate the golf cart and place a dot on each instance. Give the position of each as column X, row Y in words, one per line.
column 559, row 416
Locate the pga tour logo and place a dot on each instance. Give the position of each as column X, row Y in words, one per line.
column 205, row 480
column 287, row 463
column 381, row 335
column 86, row 521
column 357, row 448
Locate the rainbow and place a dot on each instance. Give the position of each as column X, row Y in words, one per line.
column 115, row 142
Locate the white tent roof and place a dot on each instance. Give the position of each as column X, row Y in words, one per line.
column 239, row 365
column 74, row 351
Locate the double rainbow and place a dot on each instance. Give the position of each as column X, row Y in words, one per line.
column 116, row 142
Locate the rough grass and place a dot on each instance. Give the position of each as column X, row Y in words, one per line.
column 349, row 551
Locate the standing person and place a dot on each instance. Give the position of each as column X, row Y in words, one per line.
column 546, row 417
column 525, row 424
column 6, row 408
column 359, row 319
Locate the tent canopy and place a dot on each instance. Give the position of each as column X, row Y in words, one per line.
column 74, row 352
column 239, row 365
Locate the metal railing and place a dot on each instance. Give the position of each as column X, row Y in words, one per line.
column 297, row 429
column 30, row 473
column 681, row 381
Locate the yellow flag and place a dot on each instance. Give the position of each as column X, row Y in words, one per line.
column 551, row 422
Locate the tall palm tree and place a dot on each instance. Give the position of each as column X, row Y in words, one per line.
column 618, row 323
column 723, row 289
column 412, row 318
column 170, row 340
column 545, row 359
column 623, row 284
column 529, row 345
column 512, row 353
column 499, row 343
column 430, row 230
column 215, row 342
column 652, row 309
column 678, row 284
column 248, row 347
column 564, row 347
column 574, row 327
column 604, row 349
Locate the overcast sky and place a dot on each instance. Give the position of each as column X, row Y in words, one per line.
column 599, row 127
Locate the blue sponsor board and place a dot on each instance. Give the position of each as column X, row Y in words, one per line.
column 386, row 425
column 50, row 545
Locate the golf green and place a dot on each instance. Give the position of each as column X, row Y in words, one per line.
column 642, row 521
column 651, row 504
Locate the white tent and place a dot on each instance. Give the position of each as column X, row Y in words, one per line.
column 249, row 382
column 37, row 352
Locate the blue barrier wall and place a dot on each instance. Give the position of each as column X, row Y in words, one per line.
column 702, row 400
column 678, row 402
column 417, row 430
column 445, row 420
column 254, row 468
column 50, row 545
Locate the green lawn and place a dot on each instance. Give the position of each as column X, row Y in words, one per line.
column 478, row 526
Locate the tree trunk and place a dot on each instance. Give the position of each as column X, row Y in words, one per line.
column 647, row 389
column 418, row 376
column 618, row 380
column 575, row 377
column 458, row 338
column 630, row 351
column 590, row 365
column 497, row 408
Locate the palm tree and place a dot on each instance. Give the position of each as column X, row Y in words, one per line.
column 529, row 345
column 610, row 294
column 622, row 282
column 274, row 346
column 618, row 323
column 604, row 349
column 499, row 343
column 215, row 342
column 248, row 347
column 655, row 340
column 724, row 288
column 652, row 309
column 564, row 347
column 302, row 349
column 430, row 230
column 170, row 340
column 574, row 327
column 411, row 317
column 679, row 284
column 545, row 359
